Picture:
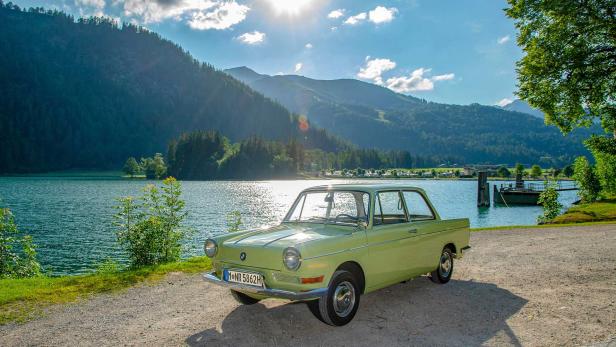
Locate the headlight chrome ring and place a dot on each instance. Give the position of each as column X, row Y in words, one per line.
column 211, row 248
column 291, row 258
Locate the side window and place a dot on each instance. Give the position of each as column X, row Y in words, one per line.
column 417, row 206
column 389, row 209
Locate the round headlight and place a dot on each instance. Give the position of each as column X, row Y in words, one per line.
column 291, row 258
column 210, row 247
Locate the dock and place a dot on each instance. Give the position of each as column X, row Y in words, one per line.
column 526, row 193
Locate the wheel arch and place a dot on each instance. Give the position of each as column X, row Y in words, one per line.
column 356, row 269
column 452, row 247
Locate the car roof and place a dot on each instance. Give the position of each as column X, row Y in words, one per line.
column 365, row 187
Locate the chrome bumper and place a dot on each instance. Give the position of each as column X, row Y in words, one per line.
column 463, row 251
column 272, row 293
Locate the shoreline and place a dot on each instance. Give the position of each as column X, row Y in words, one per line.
column 116, row 175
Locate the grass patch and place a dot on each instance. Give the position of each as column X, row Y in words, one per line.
column 24, row 299
column 604, row 210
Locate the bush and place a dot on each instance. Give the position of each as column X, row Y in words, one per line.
column 568, row 171
column 535, row 171
column 503, row 172
column 606, row 171
column 150, row 228
column 17, row 252
column 587, row 180
column 234, row 221
column 154, row 168
column 549, row 200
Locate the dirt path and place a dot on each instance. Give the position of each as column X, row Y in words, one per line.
column 517, row 287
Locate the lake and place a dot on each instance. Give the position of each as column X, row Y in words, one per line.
column 70, row 219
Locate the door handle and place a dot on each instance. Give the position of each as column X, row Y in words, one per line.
column 412, row 231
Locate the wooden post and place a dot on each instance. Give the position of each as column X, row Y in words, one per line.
column 483, row 190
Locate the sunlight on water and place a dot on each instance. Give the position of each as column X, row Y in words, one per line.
column 71, row 218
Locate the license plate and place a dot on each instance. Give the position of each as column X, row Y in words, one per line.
column 251, row 279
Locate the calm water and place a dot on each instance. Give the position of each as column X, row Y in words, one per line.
column 71, row 218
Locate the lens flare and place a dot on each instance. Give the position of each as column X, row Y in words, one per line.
column 290, row 7
column 303, row 123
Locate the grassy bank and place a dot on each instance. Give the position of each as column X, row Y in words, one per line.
column 604, row 210
column 23, row 299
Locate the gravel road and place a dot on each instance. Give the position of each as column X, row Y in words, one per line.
column 534, row 287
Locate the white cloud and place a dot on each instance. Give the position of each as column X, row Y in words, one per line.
column 445, row 77
column 252, row 38
column 335, row 14
column 223, row 16
column 375, row 68
column 199, row 14
column 504, row 102
column 298, row 67
column 417, row 81
column 356, row 19
column 309, row 45
column 91, row 7
column 503, row 40
column 382, row 14
column 92, row 3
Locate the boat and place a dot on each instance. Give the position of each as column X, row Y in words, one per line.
column 525, row 193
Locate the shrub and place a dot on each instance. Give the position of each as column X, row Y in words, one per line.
column 568, row 171
column 17, row 252
column 549, row 200
column 234, row 221
column 503, row 172
column 519, row 169
column 150, row 228
column 606, row 171
column 535, row 171
column 587, row 180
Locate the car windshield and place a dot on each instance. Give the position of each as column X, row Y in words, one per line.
column 330, row 207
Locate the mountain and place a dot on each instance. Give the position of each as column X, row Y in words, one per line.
column 522, row 106
column 87, row 94
column 245, row 74
column 373, row 116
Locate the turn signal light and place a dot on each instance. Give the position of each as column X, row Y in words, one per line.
column 308, row 280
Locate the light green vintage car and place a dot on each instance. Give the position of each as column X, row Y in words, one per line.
column 336, row 243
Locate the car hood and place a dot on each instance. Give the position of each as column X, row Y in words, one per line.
column 287, row 235
column 263, row 248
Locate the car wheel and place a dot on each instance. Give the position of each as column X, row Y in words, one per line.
column 443, row 272
column 339, row 305
column 243, row 298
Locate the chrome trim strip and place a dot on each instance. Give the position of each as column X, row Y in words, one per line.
column 278, row 239
column 336, row 252
column 273, row 293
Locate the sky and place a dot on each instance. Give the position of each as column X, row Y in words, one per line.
column 447, row 51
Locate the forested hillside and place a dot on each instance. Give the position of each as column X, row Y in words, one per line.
column 88, row 94
column 375, row 117
column 208, row 155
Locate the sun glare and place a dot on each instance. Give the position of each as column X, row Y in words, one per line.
column 291, row 7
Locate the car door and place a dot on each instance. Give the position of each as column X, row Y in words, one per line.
column 389, row 240
column 426, row 247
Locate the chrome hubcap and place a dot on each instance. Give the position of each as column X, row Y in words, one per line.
column 344, row 299
column 446, row 262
